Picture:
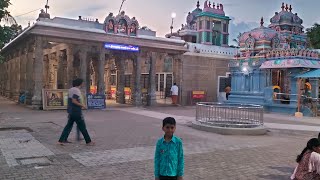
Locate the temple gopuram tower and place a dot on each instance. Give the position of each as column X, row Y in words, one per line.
column 208, row 26
column 213, row 25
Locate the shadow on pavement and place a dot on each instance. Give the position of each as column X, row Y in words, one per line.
column 287, row 170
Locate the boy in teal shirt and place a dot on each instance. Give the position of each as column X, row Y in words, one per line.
column 169, row 159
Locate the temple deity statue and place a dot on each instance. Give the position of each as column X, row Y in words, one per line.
column 110, row 27
column 133, row 29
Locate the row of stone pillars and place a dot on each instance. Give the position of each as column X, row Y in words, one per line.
column 100, row 57
column 29, row 70
column 136, row 75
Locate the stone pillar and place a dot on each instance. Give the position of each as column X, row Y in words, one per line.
column 178, row 78
column 60, row 73
column 120, row 63
column 101, row 72
column 136, row 91
column 52, row 71
column 314, row 88
column 8, row 74
column 152, row 84
column 18, row 69
column 46, row 71
column 84, row 67
column 10, row 77
column 29, row 75
column 108, row 74
column 38, row 74
column 70, row 69
column 23, row 70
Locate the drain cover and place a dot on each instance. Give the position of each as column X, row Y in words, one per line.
column 36, row 160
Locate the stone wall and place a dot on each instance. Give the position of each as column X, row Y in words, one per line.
column 201, row 73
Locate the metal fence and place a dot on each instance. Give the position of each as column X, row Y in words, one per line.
column 229, row 115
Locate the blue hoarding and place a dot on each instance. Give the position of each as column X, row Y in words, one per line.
column 96, row 101
column 121, row 47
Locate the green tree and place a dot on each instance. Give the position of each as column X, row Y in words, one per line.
column 7, row 33
column 314, row 36
column 5, row 15
column 10, row 28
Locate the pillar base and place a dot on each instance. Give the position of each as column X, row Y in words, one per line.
column 16, row 96
column 37, row 103
column 120, row 98
column 136, row 100
column 151, row 100
column 7, row 94
column 28, row 100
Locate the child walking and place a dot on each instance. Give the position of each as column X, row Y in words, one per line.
column 169, row 159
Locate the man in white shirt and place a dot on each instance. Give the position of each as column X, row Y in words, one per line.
column 174, row 93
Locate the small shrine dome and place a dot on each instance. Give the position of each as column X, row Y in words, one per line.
column 197, row 10
column 192, row 16
column 285, row 19
column 259, row 38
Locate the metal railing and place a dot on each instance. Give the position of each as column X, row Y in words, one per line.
column 229, row 115
column 285, row 98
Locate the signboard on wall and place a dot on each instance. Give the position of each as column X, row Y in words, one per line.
column 57, row 99
column 121, row 47
column 198, row 94
column 93, row 89
column 96, row 101
column 127, row 92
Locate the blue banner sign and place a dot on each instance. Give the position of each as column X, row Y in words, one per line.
column 96, row 101
column 121, row 47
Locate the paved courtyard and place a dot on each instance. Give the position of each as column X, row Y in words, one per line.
column 125, row 138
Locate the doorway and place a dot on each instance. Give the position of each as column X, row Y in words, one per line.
column 164, row 81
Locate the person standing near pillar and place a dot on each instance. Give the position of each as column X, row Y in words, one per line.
column 174, row 93
column 75, row 114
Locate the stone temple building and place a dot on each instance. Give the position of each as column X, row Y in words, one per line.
column 118, row 57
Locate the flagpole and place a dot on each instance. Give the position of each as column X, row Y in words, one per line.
column 121, row 5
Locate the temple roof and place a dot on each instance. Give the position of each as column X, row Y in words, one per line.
column 286, row 17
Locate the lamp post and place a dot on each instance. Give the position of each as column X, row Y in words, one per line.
column 173, row 15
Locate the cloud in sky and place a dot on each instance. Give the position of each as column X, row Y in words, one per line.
column 156, row 14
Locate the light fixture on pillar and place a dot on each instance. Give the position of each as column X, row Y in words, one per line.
column 173, row 15
column 245, row 70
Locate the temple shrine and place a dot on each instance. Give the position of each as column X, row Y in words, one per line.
column 271, row 64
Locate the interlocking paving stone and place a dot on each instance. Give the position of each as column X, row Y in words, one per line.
column 20, row 145
column 120, row 135
column 147, row 153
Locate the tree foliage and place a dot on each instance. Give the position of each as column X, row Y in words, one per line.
column 5, row 15
column 314, row 36
column 7, row 33
column 10, row 28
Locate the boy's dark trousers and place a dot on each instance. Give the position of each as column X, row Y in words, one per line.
column 79, row 120
column 168, row 178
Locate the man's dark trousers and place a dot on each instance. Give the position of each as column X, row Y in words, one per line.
column 78, row 119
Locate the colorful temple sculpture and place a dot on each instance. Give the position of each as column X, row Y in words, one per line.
column 268, row 68
column 205, row 26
